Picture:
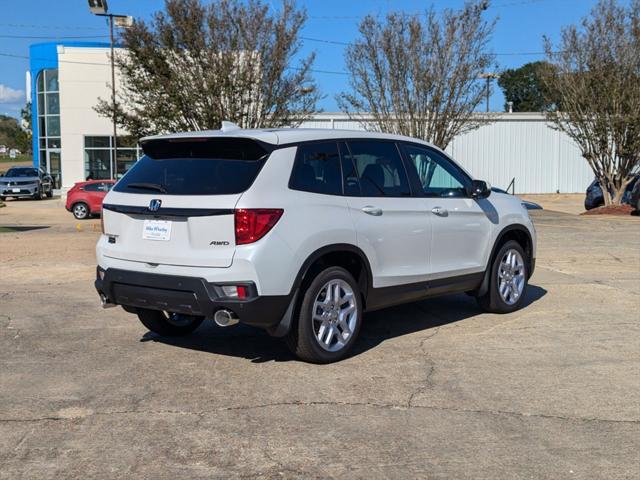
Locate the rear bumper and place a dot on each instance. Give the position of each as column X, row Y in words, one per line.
column 188, row 295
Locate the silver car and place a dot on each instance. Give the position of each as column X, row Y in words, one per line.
column 26, row 182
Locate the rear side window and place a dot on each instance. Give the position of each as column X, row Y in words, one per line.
column 92, row 187
column 380, row 169
column 195, row 167
column 317, row 169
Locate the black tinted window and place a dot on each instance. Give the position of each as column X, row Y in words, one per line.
column 195, row 167
column 437, row 175
column 317, row 169
column 380, row 169
column 92, row 187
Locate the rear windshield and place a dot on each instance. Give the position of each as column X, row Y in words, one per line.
column 195, row 167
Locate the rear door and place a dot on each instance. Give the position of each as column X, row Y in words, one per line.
column 176, row 205
column 391, row 226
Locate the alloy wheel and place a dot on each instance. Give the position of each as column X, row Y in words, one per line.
column 80, row 211
column 511, row 276
column 335, row 315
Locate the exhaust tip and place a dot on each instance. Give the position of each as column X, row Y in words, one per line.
column 225, row 318
column 105, row 302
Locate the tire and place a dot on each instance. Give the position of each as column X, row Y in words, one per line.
column 514, row 280
column 308, row 336
column 50, row 192
column 80, row 210
column 39, row 195
column 169, row 324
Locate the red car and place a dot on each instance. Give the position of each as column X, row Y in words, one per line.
column 85, row 198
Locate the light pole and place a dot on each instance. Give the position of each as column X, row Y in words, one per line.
column 100, row 9
column 489, row 76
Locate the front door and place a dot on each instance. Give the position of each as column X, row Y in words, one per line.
column 462, row 226
column 54, row 167
column 392, row 226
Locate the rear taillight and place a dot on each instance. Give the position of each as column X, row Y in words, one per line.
column 254, row 223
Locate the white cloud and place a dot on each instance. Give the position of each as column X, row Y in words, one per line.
column 10, row 95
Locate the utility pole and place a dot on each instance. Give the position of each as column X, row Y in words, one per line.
column 488, row 77
column 100, row 9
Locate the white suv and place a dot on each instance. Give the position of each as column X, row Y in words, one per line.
column 301, row 231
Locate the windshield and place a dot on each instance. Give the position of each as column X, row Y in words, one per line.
column 21, row 172
column 195, row 167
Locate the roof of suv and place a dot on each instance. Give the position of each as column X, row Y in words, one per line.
column 283, row 136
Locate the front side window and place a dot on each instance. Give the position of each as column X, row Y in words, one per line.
column 438, row 176
column 317, row 169
column 380, row 169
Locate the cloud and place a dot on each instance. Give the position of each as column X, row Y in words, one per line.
column 10, row 95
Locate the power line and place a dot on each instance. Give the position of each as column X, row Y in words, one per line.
column 346, row 44
column 40, row 37
column 48, row 27
column 26, row 57
column 420, row 14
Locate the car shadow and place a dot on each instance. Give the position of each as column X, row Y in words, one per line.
column 257, row 346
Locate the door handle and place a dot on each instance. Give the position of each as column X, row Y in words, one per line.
column 441, row 212
column 371, row 210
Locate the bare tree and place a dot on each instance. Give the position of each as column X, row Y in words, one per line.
column 597, row 78
column 194, row 65
column 417, row 75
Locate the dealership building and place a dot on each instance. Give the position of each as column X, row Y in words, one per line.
column 72, row 142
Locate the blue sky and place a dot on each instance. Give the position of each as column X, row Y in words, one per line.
column 521, row 25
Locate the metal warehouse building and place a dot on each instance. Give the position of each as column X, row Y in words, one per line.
column 72, row 142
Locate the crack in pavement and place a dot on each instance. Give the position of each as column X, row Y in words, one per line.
column 320, row 403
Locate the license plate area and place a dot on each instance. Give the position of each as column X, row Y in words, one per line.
column 158, row 230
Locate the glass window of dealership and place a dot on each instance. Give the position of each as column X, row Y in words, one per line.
column 48, row 110
column 98, row 156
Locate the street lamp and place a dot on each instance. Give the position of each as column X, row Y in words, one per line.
column 100, row 9
column 489, row 76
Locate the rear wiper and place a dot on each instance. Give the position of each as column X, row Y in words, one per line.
column 148, row 186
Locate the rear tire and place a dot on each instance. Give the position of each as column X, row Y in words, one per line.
column 50, row 192
column 169, row 324
column 80, row 210
column 508, row 280
column 329, row 318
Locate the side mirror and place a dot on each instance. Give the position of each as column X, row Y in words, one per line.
column 479, row 189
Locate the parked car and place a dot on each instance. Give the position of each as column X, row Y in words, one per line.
column 634, row 199
column 85, row 198
column 594, row 197
column 300, row 231
column 20, row 182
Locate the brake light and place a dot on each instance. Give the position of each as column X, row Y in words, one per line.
column 254, row 223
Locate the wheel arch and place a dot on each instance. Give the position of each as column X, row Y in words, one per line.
column 518, row 232
column 344, row 255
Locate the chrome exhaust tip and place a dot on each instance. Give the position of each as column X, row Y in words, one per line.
column 225, row 318
column 106, row 303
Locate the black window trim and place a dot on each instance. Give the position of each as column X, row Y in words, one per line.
column 415, row 181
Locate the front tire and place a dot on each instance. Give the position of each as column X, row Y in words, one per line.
column 169, row 324
column 329, row 318
column 508, row 280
